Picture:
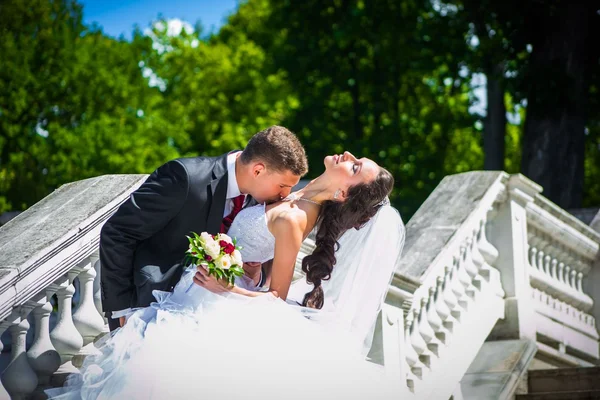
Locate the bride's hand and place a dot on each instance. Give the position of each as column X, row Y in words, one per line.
column 209, row 282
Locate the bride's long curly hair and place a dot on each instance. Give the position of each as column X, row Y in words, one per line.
column 361, row 204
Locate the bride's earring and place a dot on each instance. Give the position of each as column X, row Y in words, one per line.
column 336, row 194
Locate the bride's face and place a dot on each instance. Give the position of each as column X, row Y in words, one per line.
column 346, row 170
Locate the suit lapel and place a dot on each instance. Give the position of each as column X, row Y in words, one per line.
column 218, row 190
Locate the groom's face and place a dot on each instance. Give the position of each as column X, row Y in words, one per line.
column 271, row 186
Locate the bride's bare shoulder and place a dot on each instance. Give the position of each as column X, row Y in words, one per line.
column 286, row 215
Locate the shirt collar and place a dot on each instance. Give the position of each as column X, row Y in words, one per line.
column 233, row 190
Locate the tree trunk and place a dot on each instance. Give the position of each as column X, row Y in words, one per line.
column 553, row 143
column 495, row 121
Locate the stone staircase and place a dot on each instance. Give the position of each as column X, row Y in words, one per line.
column 563, row 384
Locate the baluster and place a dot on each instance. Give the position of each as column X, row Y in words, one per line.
column 533, row 257
column 580, row 282
column 567, row 274
column 432, row 314
column 470, row 265
column 532, row 247
column 547, row 260
column 573, row 279
column 412, row 358
column 43, row 357
column 561, row 272
column 488, row 251
column 425, row 329
column 440, row 305
column 95, row 261
column 19, row 379
column 449, row 296
column 463, row 281
column 86, row 318
column 459, row 265
column 553, row 273
column 471, row 268
column 483, row 269
column 540, row 259
column 416, row 339
column 65, row 337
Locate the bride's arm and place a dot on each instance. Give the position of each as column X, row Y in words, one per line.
column 288, row 230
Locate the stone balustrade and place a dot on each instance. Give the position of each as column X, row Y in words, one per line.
column 52, row 346
column 446, row 285
column 561, row 253
column 49, row 282
column 546, row 258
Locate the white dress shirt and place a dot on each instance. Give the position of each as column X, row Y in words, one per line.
column 233, row 190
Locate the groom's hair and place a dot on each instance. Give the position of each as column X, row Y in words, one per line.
column 279, row 149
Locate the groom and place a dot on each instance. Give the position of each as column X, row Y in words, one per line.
column 143, row 244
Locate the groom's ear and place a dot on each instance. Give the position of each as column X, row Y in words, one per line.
column 258, row 168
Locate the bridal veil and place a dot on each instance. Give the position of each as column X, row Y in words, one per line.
column 366, row 261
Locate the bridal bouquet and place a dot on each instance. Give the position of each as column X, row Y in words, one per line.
column 218, row 254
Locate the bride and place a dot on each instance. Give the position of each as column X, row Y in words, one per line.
column 303, row 340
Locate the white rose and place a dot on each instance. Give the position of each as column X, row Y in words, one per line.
column 236, row 258
column 206, row 237
column 212, row 248
column 225, row 237
column 223, row 262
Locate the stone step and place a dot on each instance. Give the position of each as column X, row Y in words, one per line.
column 564, row 379
column 572, row 395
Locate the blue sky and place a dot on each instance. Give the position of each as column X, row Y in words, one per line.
column 119, row 17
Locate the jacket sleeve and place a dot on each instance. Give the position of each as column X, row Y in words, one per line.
column 147, row 211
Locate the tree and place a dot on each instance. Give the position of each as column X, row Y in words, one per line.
column 37, row 43
column 74, row 104
column 564, row 55
column 218, row 86
column 376, row 78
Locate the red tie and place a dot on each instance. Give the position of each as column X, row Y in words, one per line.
column 238, row 202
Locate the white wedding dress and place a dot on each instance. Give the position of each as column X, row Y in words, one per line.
column 196, row 344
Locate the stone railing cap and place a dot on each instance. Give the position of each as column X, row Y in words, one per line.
column 30, row 232
column 439, row 217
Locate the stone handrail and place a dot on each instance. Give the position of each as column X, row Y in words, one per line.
column 48, row 255
column 546, row 258
column 493, row 259
column 447, row 286
column 561, row 251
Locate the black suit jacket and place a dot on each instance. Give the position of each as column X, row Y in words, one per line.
column 143, row 244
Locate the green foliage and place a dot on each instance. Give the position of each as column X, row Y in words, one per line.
column 73, row 104
column 389, row 80
column 219, row 88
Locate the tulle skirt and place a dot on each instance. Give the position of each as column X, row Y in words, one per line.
column 196, row 344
